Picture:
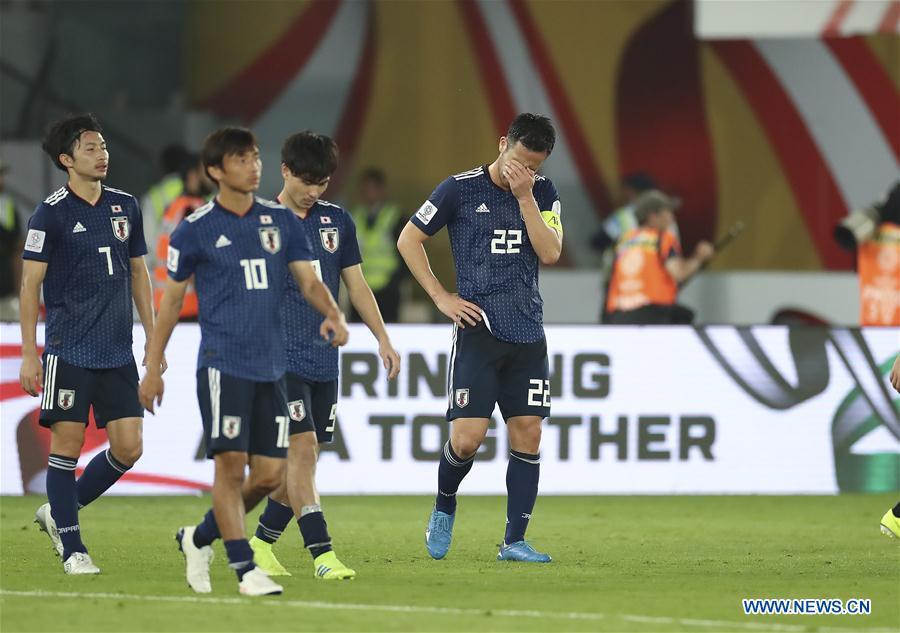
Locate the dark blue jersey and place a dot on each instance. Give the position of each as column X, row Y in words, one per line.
column 240, row 265
column 332, row 234
column 87, row 288
column 496, row 267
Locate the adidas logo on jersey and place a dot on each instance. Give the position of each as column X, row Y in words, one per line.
column 222, row 242
column 482, row 208
column 79, row 228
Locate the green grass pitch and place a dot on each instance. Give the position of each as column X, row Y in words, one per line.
column 620, row 564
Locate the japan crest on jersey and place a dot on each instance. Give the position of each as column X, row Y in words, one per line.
column 329, row 239
column 297, row 410
column 66, row 399
column 270, row 237
column 120, row 228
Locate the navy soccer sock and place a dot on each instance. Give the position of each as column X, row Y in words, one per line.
column 63, row 502
column 451, row 471
column 101, row 473
column 522, row 474
column 240, row 556
column 273, row 521
column 314, row 530
column 207, row 530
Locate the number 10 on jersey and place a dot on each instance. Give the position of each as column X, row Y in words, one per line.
column 255, row 274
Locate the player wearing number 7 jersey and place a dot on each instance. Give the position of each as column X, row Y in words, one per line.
column 85, row 244
column 503, row 219
column 239, row 250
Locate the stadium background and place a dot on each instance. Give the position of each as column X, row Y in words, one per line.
column 786, row 124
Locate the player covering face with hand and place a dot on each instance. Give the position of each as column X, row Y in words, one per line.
column 503, row 220
column 240, row 251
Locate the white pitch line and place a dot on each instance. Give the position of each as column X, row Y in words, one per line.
column 401, row 608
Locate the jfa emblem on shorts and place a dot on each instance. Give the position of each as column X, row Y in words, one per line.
column 231, row 426
column 462, row 398
column 270, row 238
column 329, row 239
column 297, row 410
column 120, row 228
column 66, row 399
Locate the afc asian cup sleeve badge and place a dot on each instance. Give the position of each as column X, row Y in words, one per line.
column 297, row 410
column 120, row 228
column 461, row 397
column 231, row 426
column 330, row 239
column 66, row 399
column 270, row 238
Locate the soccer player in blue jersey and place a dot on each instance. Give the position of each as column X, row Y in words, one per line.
column 239, row 250
column 85, row 244
column 503, row 219
column 307, row 162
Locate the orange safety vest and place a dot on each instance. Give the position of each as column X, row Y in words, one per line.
column 878, row 262
column 639, row 275
column 177, row 210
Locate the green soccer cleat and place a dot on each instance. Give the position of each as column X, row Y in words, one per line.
column 265, row 559
column 890, row 524
column 328, row 567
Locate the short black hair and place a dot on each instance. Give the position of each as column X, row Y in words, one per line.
column 226, row 141
column 61, row 136
column 534, row 131
column 310, row 156
column 373, row 174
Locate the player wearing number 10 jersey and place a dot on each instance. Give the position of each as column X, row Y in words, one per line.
column 503, row 219
column 240, row 250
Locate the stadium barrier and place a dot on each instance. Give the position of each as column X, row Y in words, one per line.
column 636, row 410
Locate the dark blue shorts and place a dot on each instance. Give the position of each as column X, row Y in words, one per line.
column 312, row 406
column 242, row 415
column 485, row 371
column 70, row 392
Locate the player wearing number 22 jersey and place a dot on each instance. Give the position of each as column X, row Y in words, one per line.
column 503, row 220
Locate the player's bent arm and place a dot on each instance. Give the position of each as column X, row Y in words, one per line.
column 314, row 291
column 169, row 310
column 142, row 293
column 680, row 268
column 411, row 245
column 30, row 375
column 546, row 241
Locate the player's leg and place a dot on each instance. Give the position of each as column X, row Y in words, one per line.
column 278, row 512
column 65, row 408
column 524, row 402
column 890, row 522
column 472, row 395
column 118, row 410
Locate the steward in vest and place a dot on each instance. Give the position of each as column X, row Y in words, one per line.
column 649, row 266
column 11, row 252
column 378, row 225
column 197, row 189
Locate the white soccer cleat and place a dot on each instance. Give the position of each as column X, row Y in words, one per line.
column 196, row 560
column 256, row 583
column 45, row 521
column 80, row 563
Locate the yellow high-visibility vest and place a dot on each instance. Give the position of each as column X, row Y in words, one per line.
column 7, row 213
column 377, row 244
column 162, row 194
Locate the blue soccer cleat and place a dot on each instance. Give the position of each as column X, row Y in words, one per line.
column 522, row 552
column 439, row 533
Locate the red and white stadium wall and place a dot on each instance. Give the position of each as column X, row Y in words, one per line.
column 784, row 134
column 712, row 410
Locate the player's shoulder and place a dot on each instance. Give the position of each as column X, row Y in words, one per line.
column 54, row 198
column 543, row 183
column 118, row 194
column 198, row 214
column 331, row 213
column 468, row 175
